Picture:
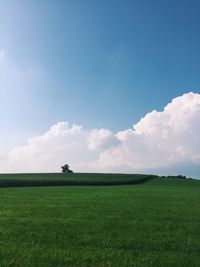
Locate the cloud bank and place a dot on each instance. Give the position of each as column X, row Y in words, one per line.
column 164, row 142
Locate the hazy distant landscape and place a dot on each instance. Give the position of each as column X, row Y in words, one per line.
column 154, row 223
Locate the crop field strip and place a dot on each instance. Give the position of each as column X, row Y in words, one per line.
column 79, row 179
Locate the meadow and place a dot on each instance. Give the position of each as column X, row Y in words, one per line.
column 154, row 223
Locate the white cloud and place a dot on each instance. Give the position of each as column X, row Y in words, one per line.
column 101, row 139
column 3, row 154
column 62, row 143
column 158, row 141
column 161, row 139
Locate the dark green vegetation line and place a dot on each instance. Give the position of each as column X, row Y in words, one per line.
column 152, row 224
column 60, row 179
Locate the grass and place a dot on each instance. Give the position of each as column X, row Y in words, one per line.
column 152, row 224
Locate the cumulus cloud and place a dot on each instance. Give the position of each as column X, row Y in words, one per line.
column 161, row 139
column 3, row 154
column 62, row 143
column 157, row 142
column 101, row 140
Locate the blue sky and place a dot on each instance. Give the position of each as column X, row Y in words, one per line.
column 101, row 64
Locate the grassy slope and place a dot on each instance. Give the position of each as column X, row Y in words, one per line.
column 152, row 224
column 56, row 179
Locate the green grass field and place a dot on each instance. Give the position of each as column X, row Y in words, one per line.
column 156, row 223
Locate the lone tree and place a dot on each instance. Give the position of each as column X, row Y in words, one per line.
column 65, row 169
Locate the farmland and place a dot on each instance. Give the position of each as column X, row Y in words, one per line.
column 155, row 223
column 59, row 179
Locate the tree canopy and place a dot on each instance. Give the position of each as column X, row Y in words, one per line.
column 66, row 169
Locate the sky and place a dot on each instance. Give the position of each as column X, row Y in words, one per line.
column 79, row 78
